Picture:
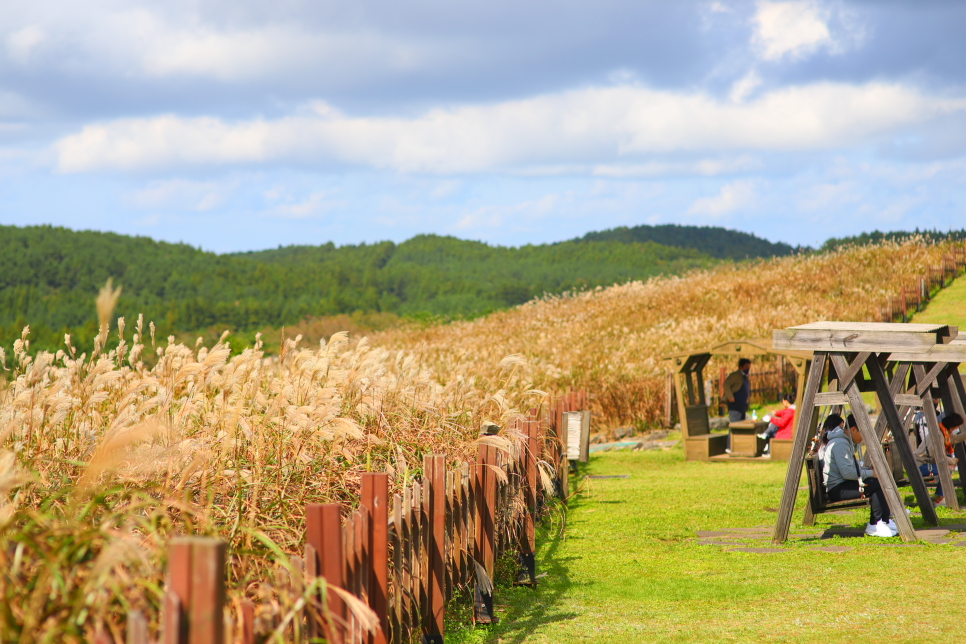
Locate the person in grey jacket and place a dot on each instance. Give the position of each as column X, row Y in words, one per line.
column 845, row 479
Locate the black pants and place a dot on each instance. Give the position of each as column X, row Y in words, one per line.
column 873, row 491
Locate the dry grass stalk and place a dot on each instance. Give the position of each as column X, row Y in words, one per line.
column 609, row 341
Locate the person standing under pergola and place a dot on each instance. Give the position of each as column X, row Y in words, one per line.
column 737, row 391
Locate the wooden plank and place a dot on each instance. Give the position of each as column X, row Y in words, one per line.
column 247, row 622
column 435, row 468
column 900, row 440
column 852, row 341
column 896, row 385
column 206, row 614
column 796, row 461
column 375, row 498
column 829, row 398
column 854, row 369
column 907, row 400
column 136, row 628
column 878, row 327
column 178, row 600
column 873, row 451
column 406, row 540
column 937, row 447
column 925, row 380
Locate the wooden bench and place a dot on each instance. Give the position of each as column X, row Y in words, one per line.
column 700, row 444
column 818, row 502
column 780, row 448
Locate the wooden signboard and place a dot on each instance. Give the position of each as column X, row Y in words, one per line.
column 577, row 425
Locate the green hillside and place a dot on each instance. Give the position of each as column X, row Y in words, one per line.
column 714, row 241
column 50, row 276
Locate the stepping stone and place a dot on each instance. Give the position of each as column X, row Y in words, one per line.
column 958, row 527
column 899, row 545
column 938, row 541
column 931, row 533
column 759, row 550
column 832, row 548
column 713, row 533
column 842, row 532
column 960, row 543
column 711, row 542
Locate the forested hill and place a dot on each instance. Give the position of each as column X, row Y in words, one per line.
column 876, row 237
column 714, row 241
column 50, row 276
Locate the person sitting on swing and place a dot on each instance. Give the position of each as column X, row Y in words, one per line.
column 948, row 425
column 845, row 479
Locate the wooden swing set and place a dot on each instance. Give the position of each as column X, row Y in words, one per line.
column 901, row 363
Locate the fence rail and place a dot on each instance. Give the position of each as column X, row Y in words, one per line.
column 385, row 573
column 914, row 296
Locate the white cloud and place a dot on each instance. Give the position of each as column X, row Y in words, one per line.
column 580, row 126
column 288, row 207
column 744, row 86
column 22, row 43
column 793, row 29
column 733, row 196
column 827, row 196
column 704, row 167
column 182, row 194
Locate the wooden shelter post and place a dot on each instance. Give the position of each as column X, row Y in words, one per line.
column 873, row 448
column 803, row 420
column 937, row 448
column 887, row 409
column 954, row 398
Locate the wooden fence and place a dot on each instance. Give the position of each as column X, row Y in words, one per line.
column 385, row 572
column 915, row 295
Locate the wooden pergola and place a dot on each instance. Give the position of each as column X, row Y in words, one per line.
column 688, row 372
column 901, row 363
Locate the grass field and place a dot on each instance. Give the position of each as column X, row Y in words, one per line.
column 947, row 307
column 628, row 568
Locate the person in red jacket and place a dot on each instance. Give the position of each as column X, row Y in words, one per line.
column 781, row 424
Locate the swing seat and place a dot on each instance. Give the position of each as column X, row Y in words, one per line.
column 818, row 502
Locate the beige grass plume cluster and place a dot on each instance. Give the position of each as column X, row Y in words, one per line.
column 609, row 341
column 106, row 456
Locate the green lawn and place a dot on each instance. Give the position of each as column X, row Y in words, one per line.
column 628, row 568
column 947, row 307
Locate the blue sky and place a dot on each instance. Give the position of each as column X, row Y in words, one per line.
column 244, row 125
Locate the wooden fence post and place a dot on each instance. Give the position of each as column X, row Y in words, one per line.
column 528, row 571
column 434, row 471
column 136, row 630
column 323, row 540
column 485, row 510
column 195, row 607
column 375, row 499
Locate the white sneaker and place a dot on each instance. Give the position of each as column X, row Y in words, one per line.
column 892, row 526
column 762, row 436
column 880, row 529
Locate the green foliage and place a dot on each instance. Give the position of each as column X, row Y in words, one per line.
column 715, row 241
column 50, row 276
column 876, row 237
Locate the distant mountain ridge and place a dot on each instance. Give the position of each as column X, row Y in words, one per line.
column 721, row 243
column 876, row 237
column 49, row 277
